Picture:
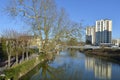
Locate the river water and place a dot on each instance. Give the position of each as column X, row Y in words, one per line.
column 73, row 65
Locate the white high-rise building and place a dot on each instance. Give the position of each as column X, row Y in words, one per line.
column 103, row 31
column 90, row 34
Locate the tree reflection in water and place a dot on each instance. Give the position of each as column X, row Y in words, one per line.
column 72, row 53
column 62, row 68
column 46, row 72
column 73, row 65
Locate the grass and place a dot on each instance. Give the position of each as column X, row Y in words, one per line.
column 21, row 69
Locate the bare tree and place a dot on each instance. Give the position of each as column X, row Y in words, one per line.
column 46, row 21
column 23, row 48
column 9, row 51
column 16, row 44
column 17, row 49
column 24, row 42
column 10, row 36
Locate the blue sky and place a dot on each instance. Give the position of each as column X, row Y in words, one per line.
column 87, row 11
column 91, row 10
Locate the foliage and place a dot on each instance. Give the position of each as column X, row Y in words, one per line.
column 33, row 51
column 72, row 42
column 3, row 54
column 88, row 42
column 3, row 42
column 15, row 71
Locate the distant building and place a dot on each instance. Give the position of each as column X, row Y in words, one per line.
column 90, row 35
column 103, row 31
column 35, row 42
column 116, row 42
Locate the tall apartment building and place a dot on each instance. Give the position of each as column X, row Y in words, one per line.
column 103, row 31
column 90, row 35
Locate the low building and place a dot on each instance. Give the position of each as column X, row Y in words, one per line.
column 37, row 43
column 105, row 44
column 116, row 42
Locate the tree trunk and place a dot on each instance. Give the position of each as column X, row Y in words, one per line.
column 16, row 58
column 23, row 56
column 9, row 59
column 27, row 55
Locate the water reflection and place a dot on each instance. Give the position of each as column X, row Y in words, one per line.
column 72, row 52
column 73, row 65
column 62, row 68
column 101, row 69
column 46, row 72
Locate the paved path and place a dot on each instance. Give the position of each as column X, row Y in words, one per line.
column 90, row 47
column 84, row 47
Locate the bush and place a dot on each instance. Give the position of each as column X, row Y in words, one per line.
column 72, row 42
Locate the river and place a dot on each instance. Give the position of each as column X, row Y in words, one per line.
column 73, row 65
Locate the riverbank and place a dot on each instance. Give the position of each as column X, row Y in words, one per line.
column 104, row 52
column 15, row 72
column 61, row 68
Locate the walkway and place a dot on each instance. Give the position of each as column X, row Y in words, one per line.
column 84, row 47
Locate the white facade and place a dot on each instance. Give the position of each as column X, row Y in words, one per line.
column 103, row 31
column 102, row 25
column 93, row 35
column 116, row 42
column 90, row 32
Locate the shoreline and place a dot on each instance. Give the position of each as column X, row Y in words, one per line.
column 113, row 54
column 20, row 70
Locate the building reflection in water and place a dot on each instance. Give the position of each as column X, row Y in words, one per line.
column 101, row 70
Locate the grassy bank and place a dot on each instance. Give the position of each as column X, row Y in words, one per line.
column 17, row 71
column 104, row 52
